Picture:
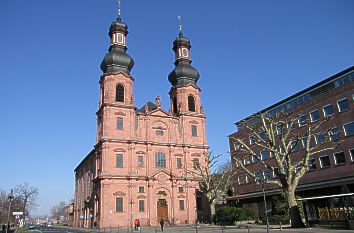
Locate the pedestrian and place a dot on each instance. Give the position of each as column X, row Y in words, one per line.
column 161, row 224
column 136, row 224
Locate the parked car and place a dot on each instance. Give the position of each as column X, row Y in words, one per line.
column 31, row 226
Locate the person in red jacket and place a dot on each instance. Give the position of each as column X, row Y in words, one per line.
column 136, row 223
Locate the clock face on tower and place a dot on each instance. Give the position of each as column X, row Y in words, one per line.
column 184, row 52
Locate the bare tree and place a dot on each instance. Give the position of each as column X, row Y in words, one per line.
column 281, row 137
column 213, row 182
column 58, row 210
column 28, row 195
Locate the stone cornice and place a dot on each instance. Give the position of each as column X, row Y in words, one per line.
column 115, row 73
column 131, row 141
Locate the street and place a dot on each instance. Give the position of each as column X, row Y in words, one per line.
column 184, row 229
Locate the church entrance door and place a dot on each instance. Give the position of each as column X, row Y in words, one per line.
column 162, row 210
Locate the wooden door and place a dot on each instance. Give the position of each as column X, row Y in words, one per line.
column 162, row 210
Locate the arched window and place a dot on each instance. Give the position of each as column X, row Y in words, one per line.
column 120, row 93
column 191, row 104
column 160, row 159
column 174, row 102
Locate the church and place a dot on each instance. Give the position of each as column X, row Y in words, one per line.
column 140, row 166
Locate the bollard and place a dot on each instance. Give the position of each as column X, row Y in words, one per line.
column 110, row 230
column 222, row 229
column 248, row 228
column 155, row 230
column 140, row 229
column 104, row 230
column 281, row 228
column 118, row 230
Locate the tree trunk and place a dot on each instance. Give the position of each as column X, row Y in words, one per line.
column 294, row 212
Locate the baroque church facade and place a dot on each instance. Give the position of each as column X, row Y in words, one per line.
column 140, row 167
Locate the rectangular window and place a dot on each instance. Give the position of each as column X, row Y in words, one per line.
column 320, row 138
column 325, row 161
column 311, row 165
column 279, row 129
column 119, row 161
column 252, row 140
column 339, row 158
column 241, row 180
column 328, row 110
column 302, row 120
column 179, row 162
column 334, row 134
column 194, row 131
column 275, row 172
column 349, row 129
column 141, row 206
column 246, row 160
column 141, row 189
column 140, row 161
column 315, row 115
column 264, row 155
column 262, row 135
column 343, row 105
column 266, row 174
column 180, row 189
column 255, row 158
column 257, row 175
column 119, row 123
column 119, row 204
column 351, row 153
column 181, row 204
column 295, row 146
column 196, row 164
column 160, row 159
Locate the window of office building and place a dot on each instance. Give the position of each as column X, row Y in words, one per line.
column 349, row 129
column 339, row 158
column 351, row 153
column 302, row 120
column 328, row 110
column 311, row 165
column 315, row 115
column 343, row 105
column 325, row 161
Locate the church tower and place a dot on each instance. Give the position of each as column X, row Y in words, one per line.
column 116, row 104
column 184, row 93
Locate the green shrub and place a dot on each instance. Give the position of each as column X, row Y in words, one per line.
column 228, row 215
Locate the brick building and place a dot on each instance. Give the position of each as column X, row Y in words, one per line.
column 329, row 180
column 139, row 166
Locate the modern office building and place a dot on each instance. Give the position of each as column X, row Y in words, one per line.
column 139, row 167
column 327, row 188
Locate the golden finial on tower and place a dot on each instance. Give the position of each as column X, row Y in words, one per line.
column 180, row 25
column 119, row 9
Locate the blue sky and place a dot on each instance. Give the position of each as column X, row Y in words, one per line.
column 250, row 54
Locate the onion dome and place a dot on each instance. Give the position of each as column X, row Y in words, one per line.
column 117, row 58
column 183, row 73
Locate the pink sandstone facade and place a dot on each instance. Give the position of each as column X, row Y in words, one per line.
column 139, row 167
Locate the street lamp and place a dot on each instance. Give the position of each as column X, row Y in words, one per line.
column 265, row 203
column 196, row 226
column 87, row 205
column 10, row 197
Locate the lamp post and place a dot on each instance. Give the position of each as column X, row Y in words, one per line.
column 87, row 205
column 196, row 220
column 10, row 197
column 265, row 204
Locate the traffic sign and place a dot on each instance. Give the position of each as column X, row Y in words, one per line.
column 81, row 216
column 17, row 213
